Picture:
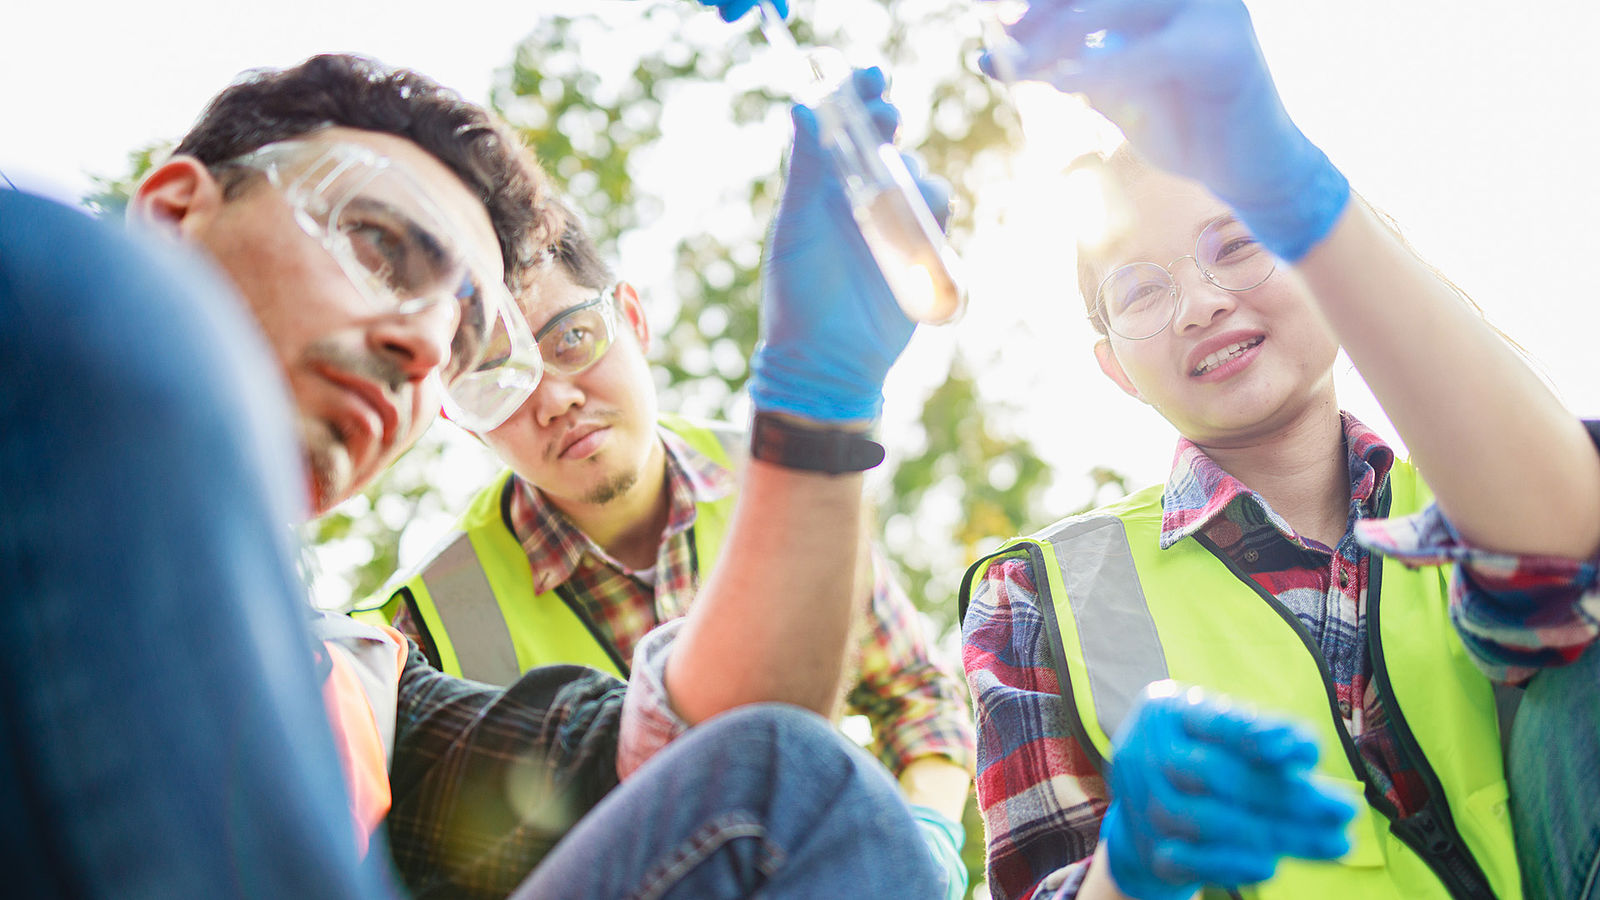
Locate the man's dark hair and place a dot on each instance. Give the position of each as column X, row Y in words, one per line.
column 577, row 255
column 268, row 105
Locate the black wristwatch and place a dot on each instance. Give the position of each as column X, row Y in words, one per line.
column 789, row 444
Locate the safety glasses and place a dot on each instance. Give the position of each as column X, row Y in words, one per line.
column 1139, row 300
column 577, row 337
column 404, row 254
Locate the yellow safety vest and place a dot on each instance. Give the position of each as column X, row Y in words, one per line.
column 1121, row 613
column 474, row 597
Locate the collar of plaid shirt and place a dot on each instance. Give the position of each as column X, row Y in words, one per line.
column 1198, row 490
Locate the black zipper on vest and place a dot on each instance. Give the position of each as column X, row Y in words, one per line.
column 1430, row 831
column 427, row 644
column 1374, row 796
column 600, row 637
column 565, row 593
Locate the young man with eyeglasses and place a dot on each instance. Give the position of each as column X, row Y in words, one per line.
column 162, row 731
column 606, row 524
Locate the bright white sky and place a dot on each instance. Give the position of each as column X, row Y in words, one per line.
column 1473, row 122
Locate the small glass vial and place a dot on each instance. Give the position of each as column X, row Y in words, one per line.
column 890, row 211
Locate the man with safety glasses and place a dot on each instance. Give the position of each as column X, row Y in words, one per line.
column 608, row 520
column 162, row 713
column 161, row 724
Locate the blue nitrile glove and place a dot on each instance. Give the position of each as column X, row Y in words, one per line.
column 733, row 9
column 1204, row 793
column 830, row 328
column 944, row 837
column 1185, row 81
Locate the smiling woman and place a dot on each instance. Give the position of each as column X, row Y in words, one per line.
column 1227, row 348
column 1242, row 575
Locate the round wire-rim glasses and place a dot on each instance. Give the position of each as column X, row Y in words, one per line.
column 1227, row 255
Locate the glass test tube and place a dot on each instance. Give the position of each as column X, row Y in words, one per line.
column 889, row 209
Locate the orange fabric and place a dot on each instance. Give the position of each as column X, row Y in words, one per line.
column 360, row 746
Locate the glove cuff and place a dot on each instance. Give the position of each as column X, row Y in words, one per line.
column 1128, row 874
column 1300, row 217
column 809, row 391
column 934, row 822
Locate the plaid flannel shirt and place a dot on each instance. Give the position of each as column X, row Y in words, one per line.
column 486, row 780
column 913, row 698
column 1515, row 614
column 910, row 694
column 1042, row 800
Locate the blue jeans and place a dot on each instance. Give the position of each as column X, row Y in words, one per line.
column 1555, row 781
column 763, row 801
column 161, row 730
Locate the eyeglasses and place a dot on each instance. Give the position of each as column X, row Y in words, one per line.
column 576, row 339
column 1139, row 300
column 404, row 254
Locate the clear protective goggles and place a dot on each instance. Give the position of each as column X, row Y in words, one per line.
column 405, row 254
column 577, row 337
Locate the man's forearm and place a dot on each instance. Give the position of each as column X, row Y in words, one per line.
column 773, row 620
column 1508, row 463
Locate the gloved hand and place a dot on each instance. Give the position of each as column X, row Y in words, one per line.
column 1204, row 793
column 733, row 9
column 944, row 837
column 830, row 328
column 1185, row 81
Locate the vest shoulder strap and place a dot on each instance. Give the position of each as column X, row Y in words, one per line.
column 725, row 443
column 375, row 655
column 454, row 602
column 728, row 446
column 1115, row 629
column 464, row 603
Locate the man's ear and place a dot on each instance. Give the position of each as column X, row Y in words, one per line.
column 177, row 198
column 633, row 313
column 1110, row 365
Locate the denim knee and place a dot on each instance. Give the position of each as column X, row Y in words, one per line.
column 779, row 723
column 1555, row 788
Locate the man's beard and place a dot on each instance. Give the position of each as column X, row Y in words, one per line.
column 612, row 488
column 327, row 462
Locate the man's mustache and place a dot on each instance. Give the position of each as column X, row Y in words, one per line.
column 380, row 368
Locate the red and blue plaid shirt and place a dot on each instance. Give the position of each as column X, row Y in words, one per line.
column 1042, row 799
column 1515, row 614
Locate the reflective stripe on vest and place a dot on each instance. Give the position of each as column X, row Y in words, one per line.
column 1121, row 613
column 1121, row 649
column 475, row 598
column 361, row 695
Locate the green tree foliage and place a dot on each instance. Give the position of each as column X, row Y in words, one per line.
column 108, row 196
column 594, row 119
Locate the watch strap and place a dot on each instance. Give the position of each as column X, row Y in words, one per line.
column 811, row 448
